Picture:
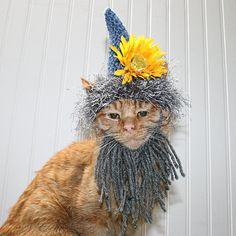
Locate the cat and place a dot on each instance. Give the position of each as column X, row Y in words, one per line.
column 63, row 198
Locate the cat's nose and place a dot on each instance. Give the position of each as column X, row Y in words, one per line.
column 129, row 127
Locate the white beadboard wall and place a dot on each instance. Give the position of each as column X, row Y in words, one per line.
column 47, row 45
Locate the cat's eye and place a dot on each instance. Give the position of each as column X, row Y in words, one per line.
column 114, row 116
column 142, row 113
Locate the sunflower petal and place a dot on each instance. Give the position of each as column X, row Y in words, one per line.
column 123, row 40
column 119, row 72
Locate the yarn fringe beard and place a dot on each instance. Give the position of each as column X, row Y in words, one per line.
column 136, row 180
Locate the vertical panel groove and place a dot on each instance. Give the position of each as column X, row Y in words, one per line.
column 227, row 121
column 168, row 28
column 5, row 31
column 188, row 140
column 149, row 18
column 2, row 45
column 110, row 3
column 130, row 15
column 39, row 88
column 168, row 19
column 64, row 73
column 88, row 38
column 12, row 117
column 208, row 117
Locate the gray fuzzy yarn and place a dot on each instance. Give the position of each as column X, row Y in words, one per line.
column 160, row 92
column 138, row 179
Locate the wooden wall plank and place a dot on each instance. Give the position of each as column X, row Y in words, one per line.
column 228, row 23
column 26, row 73
column 199, row 115
column 52, row 76
column 178, row 63
column 217, row 120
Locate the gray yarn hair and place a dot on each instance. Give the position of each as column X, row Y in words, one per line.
column 160, row 92
column 138, row 179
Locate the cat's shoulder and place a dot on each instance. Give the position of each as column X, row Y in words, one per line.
column 82, row 152
column 85, row 147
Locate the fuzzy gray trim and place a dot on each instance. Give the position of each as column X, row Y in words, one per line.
column 160, row 92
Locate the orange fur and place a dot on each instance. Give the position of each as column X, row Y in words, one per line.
column 63, row 198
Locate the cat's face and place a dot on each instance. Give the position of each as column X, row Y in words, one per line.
column 129, row 121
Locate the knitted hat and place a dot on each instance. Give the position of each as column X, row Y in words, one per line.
column 137, row 70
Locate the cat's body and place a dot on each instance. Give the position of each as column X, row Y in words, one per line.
column 63, row 199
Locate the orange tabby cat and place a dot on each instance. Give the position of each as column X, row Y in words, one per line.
column 63, row 198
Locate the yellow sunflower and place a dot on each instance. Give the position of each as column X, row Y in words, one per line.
column 140, row 58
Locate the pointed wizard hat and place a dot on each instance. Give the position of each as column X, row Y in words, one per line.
column 137, row 69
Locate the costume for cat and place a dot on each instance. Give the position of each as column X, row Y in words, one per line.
column 139, row 72
column 138, row 179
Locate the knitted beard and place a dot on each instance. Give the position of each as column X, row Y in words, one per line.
column 138, row 179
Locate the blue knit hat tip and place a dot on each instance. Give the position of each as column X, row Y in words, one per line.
column 115, row 29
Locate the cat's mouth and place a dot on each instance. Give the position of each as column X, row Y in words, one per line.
column 133, row 142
